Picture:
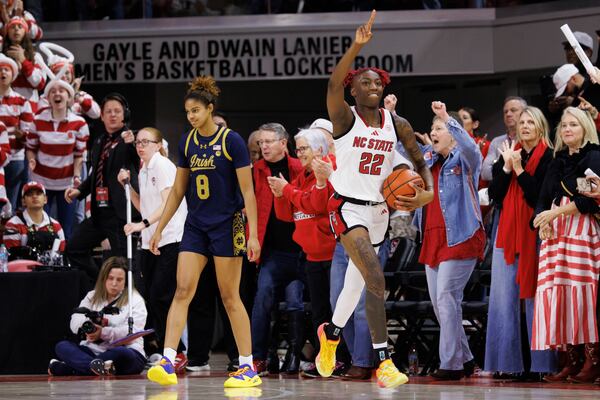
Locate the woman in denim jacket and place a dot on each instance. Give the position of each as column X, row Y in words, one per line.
column 453, row 236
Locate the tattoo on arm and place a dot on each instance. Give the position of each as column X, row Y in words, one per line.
column 406, row 135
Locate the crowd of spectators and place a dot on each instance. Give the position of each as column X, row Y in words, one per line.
column 538, row 175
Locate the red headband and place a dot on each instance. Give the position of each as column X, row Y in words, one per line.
column 57, row 66
column 18, row 21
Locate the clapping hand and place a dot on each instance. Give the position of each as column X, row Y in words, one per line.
column 322, row 170
column 506, row 150
column 277, row 184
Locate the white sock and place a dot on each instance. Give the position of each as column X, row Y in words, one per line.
column 246, row 360
column 380, row 345
column 170, row 354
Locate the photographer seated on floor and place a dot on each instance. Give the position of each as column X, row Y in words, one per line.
column 101, row 319
column 32, row 232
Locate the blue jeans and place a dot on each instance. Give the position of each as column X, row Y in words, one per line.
column 65, row 212
column 503, row 336
column 541, row 360
column 126, row 361
column 16, row 175
column 446, row 283
column 279, row 272
column 356, row 332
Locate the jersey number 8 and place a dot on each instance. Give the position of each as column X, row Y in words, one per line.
column 202, row 187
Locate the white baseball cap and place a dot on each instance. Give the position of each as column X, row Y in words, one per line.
column 323, row 124
column 561, row 77
column 584, row 39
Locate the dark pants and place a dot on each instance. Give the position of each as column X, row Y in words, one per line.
column 126, row 361
column 317, row 279
column 159, row 277
column 65, row 212
column 89, row 234
column 16, row 174
column 279, row 272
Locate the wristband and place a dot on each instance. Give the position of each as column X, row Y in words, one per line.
column 146, row 223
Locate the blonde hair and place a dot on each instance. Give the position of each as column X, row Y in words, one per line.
column 157, row 136
column 587, row 124
column 540, row 123
column 100, row 294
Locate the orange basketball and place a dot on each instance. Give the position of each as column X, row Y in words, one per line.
column 397, row 184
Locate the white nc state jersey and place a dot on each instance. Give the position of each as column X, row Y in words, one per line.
column 365, row 157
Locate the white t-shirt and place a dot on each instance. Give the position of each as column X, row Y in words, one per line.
column 155, row 177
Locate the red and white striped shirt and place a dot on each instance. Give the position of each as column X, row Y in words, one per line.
column 15, row 113
column 57, row 144
column 30, row 80
column 15, row 233
column 35, row 31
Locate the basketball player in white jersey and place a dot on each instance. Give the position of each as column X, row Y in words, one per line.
column 365, row 138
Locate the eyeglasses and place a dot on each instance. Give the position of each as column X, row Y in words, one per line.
column 144, row 142
column 302, row 149
column 268, row 142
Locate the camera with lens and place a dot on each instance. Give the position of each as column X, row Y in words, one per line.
column 94, row 318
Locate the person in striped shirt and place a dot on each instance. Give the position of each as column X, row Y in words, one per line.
column 55, row 149
column 15, row 113
column 11, row 8
column 84, row 104
column 18, row 46
column 33, row 228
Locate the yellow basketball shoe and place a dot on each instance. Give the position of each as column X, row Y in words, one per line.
column 325, row 361
column 163, row 373
column 388, row 375
column 244, row 377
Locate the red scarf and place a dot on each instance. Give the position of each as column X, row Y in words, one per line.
column 514, row 234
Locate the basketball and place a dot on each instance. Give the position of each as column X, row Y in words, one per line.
column 397, row 184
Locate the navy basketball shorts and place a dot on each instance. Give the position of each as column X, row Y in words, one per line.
column 227, row 239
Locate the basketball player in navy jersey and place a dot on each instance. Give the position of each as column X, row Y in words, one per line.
column 215, row 177
column 365, row 138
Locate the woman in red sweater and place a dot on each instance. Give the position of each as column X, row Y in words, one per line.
column 304, row 202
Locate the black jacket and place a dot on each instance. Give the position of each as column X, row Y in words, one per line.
column 530, row 185
column 123, row 155
column 561, row 179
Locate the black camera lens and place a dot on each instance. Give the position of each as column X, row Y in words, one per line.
column 88, row 327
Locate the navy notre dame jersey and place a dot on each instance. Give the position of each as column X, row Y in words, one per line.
column 213, row 193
